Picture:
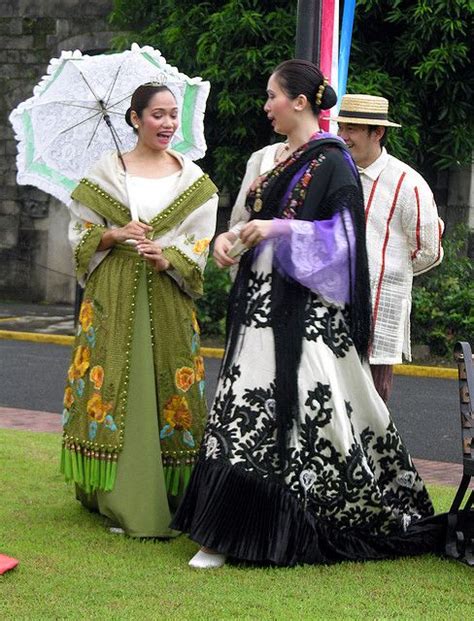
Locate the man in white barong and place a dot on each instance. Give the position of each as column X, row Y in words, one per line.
column 403, row 230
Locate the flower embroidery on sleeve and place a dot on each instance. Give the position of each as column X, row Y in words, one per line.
column 201, row 245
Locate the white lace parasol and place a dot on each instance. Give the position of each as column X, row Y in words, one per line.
column 62, row 129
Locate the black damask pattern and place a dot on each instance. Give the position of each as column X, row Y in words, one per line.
column 258, row 300
column 371, row 486
column 328, row 323
column 317, row 400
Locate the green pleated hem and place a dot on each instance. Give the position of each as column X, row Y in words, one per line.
column 90, row 473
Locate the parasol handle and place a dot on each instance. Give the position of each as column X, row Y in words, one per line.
column 108, row 121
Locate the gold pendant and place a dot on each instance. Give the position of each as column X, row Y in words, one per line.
column 258, row 204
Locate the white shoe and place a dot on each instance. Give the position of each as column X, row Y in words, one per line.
column 204, row 560
column 115, row 530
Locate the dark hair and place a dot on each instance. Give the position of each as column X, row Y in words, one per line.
column 301, row 77
column 141, row 98
column 383, row 140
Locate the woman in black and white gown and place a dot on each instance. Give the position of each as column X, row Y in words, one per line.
column 301, row 462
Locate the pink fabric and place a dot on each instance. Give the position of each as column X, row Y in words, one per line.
column 317, row 254
column 7, row 563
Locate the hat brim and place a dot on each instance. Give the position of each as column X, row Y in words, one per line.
column 358, row 121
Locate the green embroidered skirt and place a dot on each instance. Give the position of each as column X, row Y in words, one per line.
column 139, row 502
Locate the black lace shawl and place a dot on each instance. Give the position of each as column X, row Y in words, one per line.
column 334, row 187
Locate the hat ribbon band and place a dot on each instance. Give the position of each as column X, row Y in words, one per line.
column 383, row 116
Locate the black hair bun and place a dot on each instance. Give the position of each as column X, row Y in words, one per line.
column 329, row 98
column 128, row 118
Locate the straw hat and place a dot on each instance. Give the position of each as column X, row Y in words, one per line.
column 364, row 110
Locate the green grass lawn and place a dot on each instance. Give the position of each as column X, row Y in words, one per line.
column 71, row 567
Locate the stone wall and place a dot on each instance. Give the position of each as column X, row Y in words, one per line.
column 35, row 259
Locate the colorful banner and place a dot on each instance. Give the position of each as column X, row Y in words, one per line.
column 345, row 47
column 329, row 43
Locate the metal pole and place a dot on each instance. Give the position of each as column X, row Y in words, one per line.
column 308, row 30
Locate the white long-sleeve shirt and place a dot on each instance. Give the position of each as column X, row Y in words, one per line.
column 403, row 240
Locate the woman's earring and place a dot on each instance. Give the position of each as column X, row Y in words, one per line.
column 136, row 126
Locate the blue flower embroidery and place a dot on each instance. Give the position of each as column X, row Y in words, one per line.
column 92, row 430
column 90, row 335
column 166, row 432
column 66, row 416
column 202, row 387
column 195, row 343
column 80, row 387
column 110, row 423
column 188, row 439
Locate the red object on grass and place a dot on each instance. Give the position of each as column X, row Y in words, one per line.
column 6, row 563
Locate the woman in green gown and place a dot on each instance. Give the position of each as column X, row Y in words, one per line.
column 134, row 404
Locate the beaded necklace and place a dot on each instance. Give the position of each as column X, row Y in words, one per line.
column 297, row 188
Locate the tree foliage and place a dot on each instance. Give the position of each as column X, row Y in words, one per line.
column 415, row 52
column 233, row 43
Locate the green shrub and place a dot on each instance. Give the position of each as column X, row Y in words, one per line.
column 212, row 307
column 443, row 299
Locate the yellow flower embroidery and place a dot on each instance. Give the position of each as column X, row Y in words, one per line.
column 88, row 225
column 201, row 245
column 195, row 323
column 184, row 378
column 73, row 373
column 86, row 315
column 68, row 398
column 96, row 376
column 177, row 414
column 81, row 361
column 97, row 409
column 199, row 368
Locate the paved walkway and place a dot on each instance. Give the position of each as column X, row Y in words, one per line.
column 54, row 323
column 437, row 472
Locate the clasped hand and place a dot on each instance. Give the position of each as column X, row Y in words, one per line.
column 148, row 249
column 153, row 253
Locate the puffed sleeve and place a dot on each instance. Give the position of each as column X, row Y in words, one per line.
column 85, row 232
column 317, row 254
column 188, row 248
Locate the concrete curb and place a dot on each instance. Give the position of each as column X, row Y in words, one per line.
column 217, row 352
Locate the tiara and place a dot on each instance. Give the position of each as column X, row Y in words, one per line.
column 159, row 81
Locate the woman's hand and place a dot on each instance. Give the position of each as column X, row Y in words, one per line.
column 153, row 253
column 222, row 245
column 133, row 230
column 255, row 231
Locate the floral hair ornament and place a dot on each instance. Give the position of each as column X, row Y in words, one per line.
column 321, row 89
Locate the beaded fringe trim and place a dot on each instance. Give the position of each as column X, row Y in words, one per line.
column 97, row 470
column 91, row 470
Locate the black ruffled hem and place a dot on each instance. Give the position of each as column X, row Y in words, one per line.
column 258, row 520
